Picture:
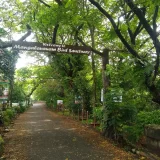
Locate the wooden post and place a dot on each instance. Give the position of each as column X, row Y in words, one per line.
column 72, row 114
column 87, row 117
column 105, row 77
column 78, row 115
column 82, row 115
column 94, row 123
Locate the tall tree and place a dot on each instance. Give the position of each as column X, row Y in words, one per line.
column 139, row 22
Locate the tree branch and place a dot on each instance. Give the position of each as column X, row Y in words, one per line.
column 26, row 35
column 147, row 39
column 93, row 50
column 55, row 30
column 152, row 32
column 154, row 18
column 77, row 31
column 9, row 44
column 55, row 33
column 131, row 36
column 138, row 29
column 97, row 52
column 57, row 25
column 156, row 67
column 47, row 5
column 125, row 43
column 59, row 2
column 144, row 22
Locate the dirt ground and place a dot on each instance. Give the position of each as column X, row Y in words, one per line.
column 39, row 134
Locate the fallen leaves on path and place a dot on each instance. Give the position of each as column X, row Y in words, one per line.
column 96, row 139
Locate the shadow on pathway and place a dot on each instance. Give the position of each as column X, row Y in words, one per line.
column 39, row 134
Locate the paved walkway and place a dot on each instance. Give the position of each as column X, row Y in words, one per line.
column 39, row 134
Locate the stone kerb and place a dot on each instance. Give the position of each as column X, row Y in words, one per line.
column 152, row 133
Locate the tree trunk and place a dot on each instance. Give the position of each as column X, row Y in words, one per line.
column 155, row 93
column 105, row 77
column 93, row 67
column 109, row 131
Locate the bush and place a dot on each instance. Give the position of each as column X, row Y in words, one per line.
column 133, row 132
column 1, row 145
column 98, row 113
column 17, row 109
column 75, row 108
column 22, row 109
column 11, row 113
column 145, row 118
column 7, row 116
column 5, row 119
column 117, row 115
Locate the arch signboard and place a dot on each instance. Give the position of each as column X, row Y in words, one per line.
column 44, row 47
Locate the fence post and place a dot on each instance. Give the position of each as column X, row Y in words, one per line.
column 94, row 122
column 78, row 115
column 87, row 117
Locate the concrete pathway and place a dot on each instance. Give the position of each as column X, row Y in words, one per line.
column 39, row 134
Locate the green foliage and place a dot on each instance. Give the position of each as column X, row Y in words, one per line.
column 22, row 109
column 144, row 118
column 134, row 131
column 1, row 145
column 117, row 114
column 128, row 118
column 98, row 113
column 6, row 120
column 1, row 140
column 10, row 113
column 17, row 109
column 69, row 102
column 75, row 108
column 17, row 95
column 71, row 75
column 7, row 116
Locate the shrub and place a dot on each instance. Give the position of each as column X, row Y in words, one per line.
column 145, row 118
column 49, row 104
column 17, row 109
column 1, row 145
column 75, row 108
column 133, row 132
column 98, row 113
column 116, row 115
column 22, row 109
column 5, row 118
column 10, row 113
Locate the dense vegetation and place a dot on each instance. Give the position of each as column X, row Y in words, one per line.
column 124, row 38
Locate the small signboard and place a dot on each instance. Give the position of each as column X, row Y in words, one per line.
column 44, row 47
column 117, row 95
column 102, row 95
column 3, row 98
column 78, row 100
column 59, row 102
